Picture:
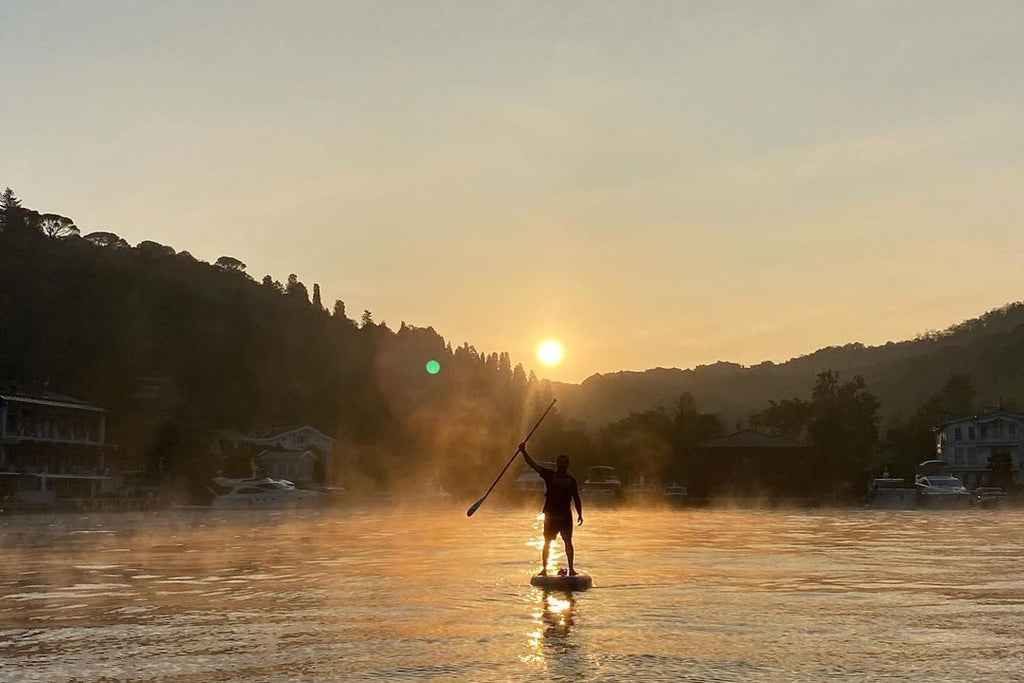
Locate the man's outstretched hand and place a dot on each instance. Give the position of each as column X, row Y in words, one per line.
column 579, row 521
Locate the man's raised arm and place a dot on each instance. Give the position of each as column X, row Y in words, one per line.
column 527, row 458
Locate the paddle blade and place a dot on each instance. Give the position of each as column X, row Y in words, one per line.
column 475, row 507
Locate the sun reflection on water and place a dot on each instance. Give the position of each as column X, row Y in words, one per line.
column 550, row 633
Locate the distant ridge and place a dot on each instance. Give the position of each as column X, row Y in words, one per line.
column 902, row 374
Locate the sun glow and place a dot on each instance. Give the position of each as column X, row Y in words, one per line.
column 550, row 352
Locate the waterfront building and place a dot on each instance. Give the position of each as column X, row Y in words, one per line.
column 298, row 467
column 967, row 443
column 304, row 451
column 51, row 447
column 748, row 463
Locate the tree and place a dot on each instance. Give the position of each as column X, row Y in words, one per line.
column 56, row 226
column 339, row 309
column 296, row 289
column 272, row 284
column 366, row 320
column 154, row 249
column 1000, row 470
column 317, row 304
column 788, row 417
column 230, row 263
column 14, row 218
column 106, row 239
column 8, row 201
column 843, row 429
column 841, row 424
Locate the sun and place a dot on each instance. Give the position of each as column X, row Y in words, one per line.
column 550, row 352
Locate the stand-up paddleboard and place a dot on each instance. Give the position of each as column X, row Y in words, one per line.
column 562, row 582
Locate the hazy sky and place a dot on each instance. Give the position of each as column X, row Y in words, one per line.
column 654, row 183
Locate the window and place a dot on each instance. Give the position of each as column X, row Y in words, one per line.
column 959, row 458
column 970, row 433
column 1013, row 429
column 982, row 431
column 958, row 433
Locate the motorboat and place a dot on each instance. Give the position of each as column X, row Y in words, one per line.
column 602, row 485
column 529, row 481
column 891, row 493
column 941, row 490
column 675, row 494
column 232, row 482
column 267, row 494
column 642, row 491
column 989, row 496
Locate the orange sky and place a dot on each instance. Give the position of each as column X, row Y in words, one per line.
column 657, row 183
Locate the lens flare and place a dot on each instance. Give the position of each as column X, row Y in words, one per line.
column 550, row 352
column 433, row 367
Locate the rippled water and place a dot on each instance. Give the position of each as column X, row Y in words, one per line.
column 707, row 595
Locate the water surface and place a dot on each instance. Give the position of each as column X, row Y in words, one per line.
column 703, row 595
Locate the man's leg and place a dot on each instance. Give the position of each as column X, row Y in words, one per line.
column 544, row 556
column 569, row 552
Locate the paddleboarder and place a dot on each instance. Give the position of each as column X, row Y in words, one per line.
column 561, row 491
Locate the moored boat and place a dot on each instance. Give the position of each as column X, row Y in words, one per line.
column 266, row 494
column 642, row 492
column 529, row 484
column 942, row 490
column 675, row 494
column 989, row 497
column 602, row 486
column 891, row 493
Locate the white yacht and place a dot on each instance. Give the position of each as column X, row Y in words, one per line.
column 941, row 490
column 890, row 493
column 602, row 485
column 642, row 491
column 675, row 494
column 266, row 494
column 529, row 482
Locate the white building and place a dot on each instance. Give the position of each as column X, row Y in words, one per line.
column 298, row 467
column 294, row 449
column 966, row 445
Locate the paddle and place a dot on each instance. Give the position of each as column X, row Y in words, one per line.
column 476, row 505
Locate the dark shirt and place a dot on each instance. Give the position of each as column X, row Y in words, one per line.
column 559, row 494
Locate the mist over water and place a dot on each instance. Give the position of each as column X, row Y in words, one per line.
column 385, row 593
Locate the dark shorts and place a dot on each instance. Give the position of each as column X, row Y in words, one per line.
column 558, row 525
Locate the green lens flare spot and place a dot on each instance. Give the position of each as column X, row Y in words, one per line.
column 433, row 367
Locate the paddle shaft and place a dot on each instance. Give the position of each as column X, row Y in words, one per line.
column 509, row 463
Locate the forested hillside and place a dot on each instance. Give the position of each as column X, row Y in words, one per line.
column 175, row 348
column 902, row 374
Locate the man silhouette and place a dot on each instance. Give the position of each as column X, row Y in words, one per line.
column 561, row 489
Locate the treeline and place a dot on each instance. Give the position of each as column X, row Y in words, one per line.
column 901, row 374
column 176, row 348
column 655, row 444
column 847, row 441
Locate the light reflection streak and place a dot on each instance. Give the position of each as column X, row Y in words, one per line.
column 551, row 632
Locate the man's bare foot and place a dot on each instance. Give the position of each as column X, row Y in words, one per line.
column 543, row 572
column 572, row 572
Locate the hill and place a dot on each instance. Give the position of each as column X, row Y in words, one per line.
column 176, row 349
column 902, row 374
